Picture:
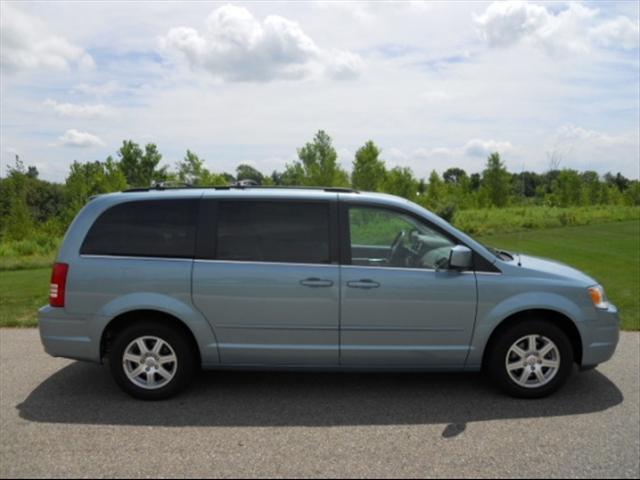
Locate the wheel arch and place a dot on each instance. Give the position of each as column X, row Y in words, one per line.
column 566, row 324
column 124, row 320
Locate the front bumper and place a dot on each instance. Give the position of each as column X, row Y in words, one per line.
column 600, row 337
column 68, row 336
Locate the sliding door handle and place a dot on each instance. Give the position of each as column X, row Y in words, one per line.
column 364, row 283
column 316, row 282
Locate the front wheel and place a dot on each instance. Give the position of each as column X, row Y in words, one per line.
column 531, row 359
column 152, row 361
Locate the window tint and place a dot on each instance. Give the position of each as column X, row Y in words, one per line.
column 385, row 238
column 154, row 228
column 273, row 232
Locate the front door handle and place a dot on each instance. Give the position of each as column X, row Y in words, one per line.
column 315, row 282
column 364, row 283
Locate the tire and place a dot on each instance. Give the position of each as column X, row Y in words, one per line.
column 522, row 371
column 148, row 374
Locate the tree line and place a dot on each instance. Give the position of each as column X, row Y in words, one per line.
column 29, row 204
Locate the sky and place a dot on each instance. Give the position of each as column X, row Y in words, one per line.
column 435, row 85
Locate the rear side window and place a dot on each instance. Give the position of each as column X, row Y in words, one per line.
column 153, row 228
column 294, row 232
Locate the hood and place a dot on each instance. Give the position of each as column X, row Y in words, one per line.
column 550, row 268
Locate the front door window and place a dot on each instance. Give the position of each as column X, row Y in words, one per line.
column 386, row 238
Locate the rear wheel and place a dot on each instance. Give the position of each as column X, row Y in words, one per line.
column 152, row 361
column 531, row 359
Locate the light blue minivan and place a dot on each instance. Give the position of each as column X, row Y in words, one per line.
column 162, row 281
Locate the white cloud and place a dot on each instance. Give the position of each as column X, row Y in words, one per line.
column 621, row 32
column 79, row 110
column 483, row 148
column 505, row 23
column 570, row 133
column 573, row 29
column 237, row 46
column 343, row 65
column 586, row 149
column 98, row 89
column 473, row 148
column 75, row 138
column 26, row 44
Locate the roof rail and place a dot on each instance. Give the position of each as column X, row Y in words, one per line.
column 241, row 185
column 160, row 186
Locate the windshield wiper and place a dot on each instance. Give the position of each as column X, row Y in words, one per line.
column 509, row 255
column 502, row 254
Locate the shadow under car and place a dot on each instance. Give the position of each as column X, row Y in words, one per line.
column 83, row 393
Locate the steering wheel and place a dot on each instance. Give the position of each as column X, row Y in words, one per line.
column 395, row 246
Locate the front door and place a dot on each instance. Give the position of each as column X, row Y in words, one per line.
column 270, row 287
column 401, row 306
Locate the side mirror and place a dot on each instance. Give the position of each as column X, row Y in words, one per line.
column 460, row 257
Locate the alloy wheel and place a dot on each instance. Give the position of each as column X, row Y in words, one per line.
column 533, row 361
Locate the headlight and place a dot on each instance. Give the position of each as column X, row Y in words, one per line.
column 598, row 297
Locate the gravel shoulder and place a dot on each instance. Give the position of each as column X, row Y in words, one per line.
column 60, row 418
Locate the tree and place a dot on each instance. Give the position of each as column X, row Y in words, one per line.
column 247, row 172
column 422, row 187
column 140, row 167
column 619, row 181
column 32, row 172
column 400, row 181
column 496, row 181
column 567, row 188
column 632, row 193
column 17, row 221
column 525, row 184
column 434, row 190
column 277, row 178
column 454, row 175
column 45, row 199
column 190, row 169
column 91, row 178
column 317, row 165
column 474, row 182
column 368, row 170
column 590, row 187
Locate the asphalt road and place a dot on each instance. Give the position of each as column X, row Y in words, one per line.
column 62, row 418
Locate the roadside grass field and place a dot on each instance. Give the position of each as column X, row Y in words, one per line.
column 22, row 293
column 609, row 252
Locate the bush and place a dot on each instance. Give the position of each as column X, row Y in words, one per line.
column 37, row 251
column 502, row 220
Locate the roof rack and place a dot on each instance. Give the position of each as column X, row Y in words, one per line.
column 160, row 186
column 241, row 185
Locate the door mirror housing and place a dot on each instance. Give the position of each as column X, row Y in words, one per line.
column 460, row 258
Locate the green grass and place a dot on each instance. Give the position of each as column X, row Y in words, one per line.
column 22, row 292
column 608, row 252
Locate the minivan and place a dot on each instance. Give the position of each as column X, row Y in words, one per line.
column 163, row 281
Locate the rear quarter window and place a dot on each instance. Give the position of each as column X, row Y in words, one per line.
column 151, row 228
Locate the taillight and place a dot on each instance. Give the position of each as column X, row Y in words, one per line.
column 58, row 284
